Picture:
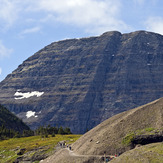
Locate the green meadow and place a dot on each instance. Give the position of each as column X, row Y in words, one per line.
column 34, row 146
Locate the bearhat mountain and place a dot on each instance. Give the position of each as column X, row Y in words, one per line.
column 78, row 83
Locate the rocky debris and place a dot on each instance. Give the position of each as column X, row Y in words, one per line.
column 97, row 142
column 21, row 152
column 85, row 81
column 37, row 154
column 18, row 160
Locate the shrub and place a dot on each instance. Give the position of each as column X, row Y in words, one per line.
column 149, row 129
column 128, row 139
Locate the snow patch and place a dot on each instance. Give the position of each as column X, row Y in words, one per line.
column 19, row 95
column 30, row 114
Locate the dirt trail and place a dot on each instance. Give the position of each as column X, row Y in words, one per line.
column 70, row 155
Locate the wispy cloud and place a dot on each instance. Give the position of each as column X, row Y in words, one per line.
column 29, row 31
column 4, row 52
column 8, row 13
column 0, row 70
column 154, row 24
column 93, row 15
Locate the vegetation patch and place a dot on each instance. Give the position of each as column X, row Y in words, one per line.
column 129, row 138
column 35, row 147
column 149, row 129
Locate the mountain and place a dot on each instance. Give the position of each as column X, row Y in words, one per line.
column 10, row 121
column 138, row 129
column 79, row 83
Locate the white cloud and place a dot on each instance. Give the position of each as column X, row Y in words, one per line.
column 4, row 52
column 94, row 15
column 8, row 12
column 154, row 24
column 12, row 11
column 0, row 71
column 30, row 30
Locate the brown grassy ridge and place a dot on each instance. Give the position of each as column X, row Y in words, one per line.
column 152, row 153
column 109, row 135
column 112, row 135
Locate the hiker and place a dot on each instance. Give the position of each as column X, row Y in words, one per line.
column 104, row 154
column 107, row 160
column 60, row 144
column 70, row 148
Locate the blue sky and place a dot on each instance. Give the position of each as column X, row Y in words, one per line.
column 27, row 26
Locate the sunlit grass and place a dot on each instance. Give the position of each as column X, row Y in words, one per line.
column 9, row 148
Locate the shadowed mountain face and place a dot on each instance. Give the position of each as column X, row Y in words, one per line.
column 10, row 121
column 79, row 83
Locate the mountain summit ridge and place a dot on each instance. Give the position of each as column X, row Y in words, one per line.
column 85, row 81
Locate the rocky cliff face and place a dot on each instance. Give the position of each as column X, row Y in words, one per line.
column 79, row 83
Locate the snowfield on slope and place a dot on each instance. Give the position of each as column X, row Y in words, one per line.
column 19, row 95
column 30, row 114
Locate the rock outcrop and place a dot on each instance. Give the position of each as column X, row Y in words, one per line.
column 78, row 83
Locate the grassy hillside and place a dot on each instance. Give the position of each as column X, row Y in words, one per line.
column 152, row 153
column 36, row 148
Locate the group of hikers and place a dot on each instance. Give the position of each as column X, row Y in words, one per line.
column 63, row 145
column 108, row 158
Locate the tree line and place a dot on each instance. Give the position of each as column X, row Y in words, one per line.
column 49, row 130
column 6, row 133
